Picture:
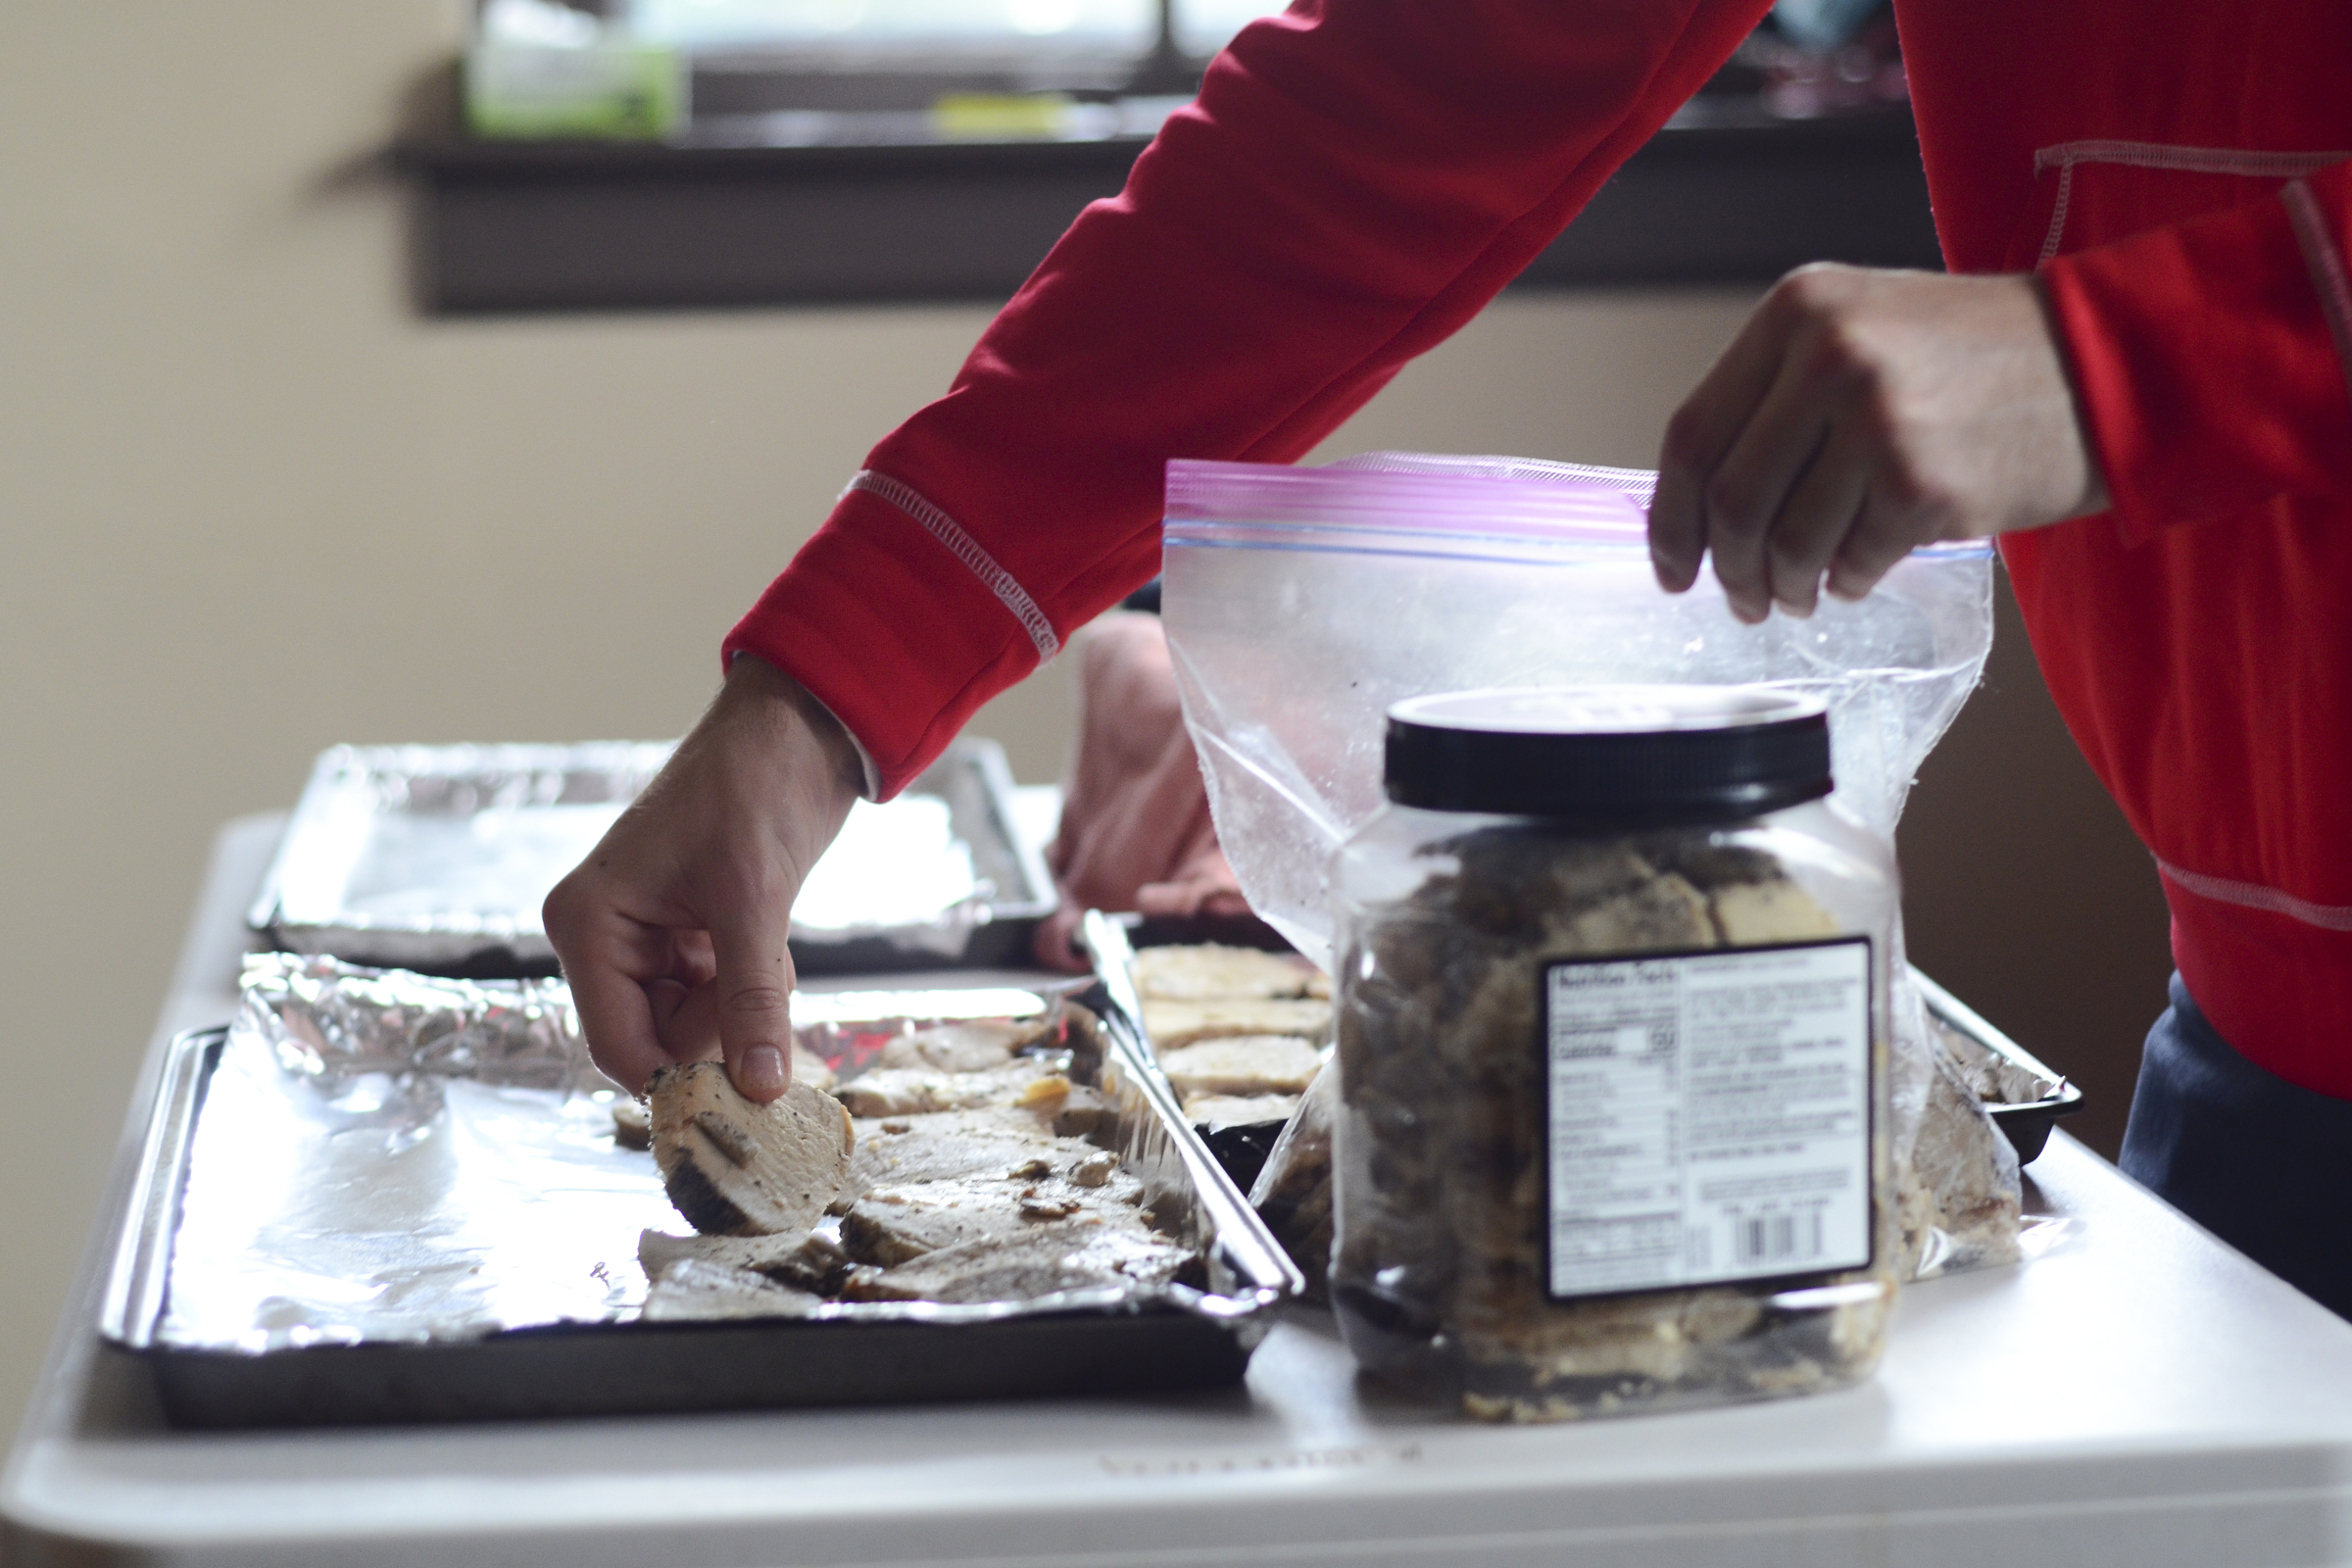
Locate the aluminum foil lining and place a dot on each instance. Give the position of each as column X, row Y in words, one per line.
column 392, row 1157
column 437, row 856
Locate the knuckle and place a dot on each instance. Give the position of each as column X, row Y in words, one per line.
column 1846, row 354
column 559, row 911
column 1795, row 291
column 1917, row 493
column 756, row 1002
column 1873, row 417
column 1813, row 287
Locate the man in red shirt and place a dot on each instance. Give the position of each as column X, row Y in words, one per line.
column 2135, row 374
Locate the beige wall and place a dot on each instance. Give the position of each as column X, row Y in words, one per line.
column 252, row 507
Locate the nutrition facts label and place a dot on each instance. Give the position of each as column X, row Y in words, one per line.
column 1709, row 1116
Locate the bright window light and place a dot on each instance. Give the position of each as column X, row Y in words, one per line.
column 1121, row 25
column 1204, row 27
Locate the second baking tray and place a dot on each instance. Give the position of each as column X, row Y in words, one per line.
column 2034, row 1097
column 437, row 857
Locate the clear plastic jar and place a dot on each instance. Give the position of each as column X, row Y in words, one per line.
column 1612, row 1055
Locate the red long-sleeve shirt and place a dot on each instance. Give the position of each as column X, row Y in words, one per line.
column 1360, row 176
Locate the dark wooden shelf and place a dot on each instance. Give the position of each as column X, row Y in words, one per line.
column 515, row 226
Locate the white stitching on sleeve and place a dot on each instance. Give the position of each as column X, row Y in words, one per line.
column 966, row 549
column 2327, row 264
column 2255, row 896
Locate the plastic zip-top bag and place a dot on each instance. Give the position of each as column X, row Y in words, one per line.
column 1302, row 602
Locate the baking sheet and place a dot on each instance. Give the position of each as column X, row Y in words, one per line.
column 438, row 858
column 375, row 1163
column 2027, row 1096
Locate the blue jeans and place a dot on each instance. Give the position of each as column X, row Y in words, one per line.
column 2262, row 1163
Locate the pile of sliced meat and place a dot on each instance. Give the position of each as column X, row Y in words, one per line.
column 959, row 1168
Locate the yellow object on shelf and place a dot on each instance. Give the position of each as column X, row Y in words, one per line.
column 1003, row 117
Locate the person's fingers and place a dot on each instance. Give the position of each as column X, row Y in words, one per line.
column 1883, row 535
column 1169, row 901
column 686, row 1018
column 1190, row 898
column 1821, row 508
column 1678, row 537
column 1752, row 483
column 751, row 995
column 694, row 962
column 664, row 998
column 604, row 952
column 617, row 1022
column 1703, row 430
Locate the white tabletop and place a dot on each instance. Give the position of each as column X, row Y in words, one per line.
column 2140, row 1395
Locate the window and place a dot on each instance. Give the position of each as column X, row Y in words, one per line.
column 880, row 28
column 795, row 58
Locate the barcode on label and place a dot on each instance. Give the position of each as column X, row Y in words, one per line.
column 1777, row 1237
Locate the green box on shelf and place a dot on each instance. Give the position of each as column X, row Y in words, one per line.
column 616, row 91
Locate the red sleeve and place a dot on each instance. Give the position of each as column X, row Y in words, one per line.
column 1357, row 178
column 2210, row 356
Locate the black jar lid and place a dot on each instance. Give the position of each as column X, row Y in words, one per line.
column 1610, row 756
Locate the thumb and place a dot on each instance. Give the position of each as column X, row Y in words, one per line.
column 753, row 991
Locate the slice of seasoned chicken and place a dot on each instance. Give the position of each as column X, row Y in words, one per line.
column 1174, row 1024
column 1208, row 972
column 1075, row 1110
column 632, row 1119
column 1242, row 1064
column 1081, row 1253
column 896, row 1149
column 633, row 1123
column 735, row 1168
column 1079, row 1111
column 966, row 1046
column 892, row 1225
column 811, row 1262
column 919, row 1091
column 694, row 1290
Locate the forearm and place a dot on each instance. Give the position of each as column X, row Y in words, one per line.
column 1355, row 181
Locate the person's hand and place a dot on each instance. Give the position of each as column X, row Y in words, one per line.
column 1135, row 827
column 671, row 932
column 1860, row 414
